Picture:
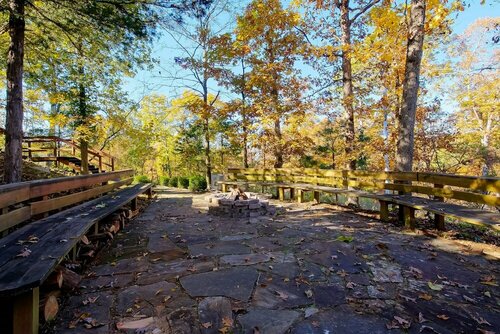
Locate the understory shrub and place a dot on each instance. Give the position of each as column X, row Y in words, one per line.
column 183, row 182
column 164, row 180
column 141, row 179
column 197, row 183
column 173, row 181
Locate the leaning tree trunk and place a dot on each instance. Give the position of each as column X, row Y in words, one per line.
column 348, row 91
column 404, row 152
column 14, row 115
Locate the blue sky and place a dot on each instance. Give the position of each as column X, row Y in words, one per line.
column 150, row 81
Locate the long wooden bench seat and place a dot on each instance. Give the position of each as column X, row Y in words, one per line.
column 375, row 185
column 24, row 266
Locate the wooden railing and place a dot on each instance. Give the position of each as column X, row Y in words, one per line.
column 61, row 145
column 22, row 201
column 481, row 190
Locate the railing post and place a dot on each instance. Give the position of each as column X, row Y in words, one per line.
column 439, row 219
column 112, row 164
column 29, row 150
column 26, row 312
column 100, row 164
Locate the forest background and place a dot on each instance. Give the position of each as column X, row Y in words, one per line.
column 262, row 84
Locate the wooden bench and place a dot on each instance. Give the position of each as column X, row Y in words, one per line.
column 447, row 195
column 56, row 235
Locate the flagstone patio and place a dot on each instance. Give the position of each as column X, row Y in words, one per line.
column 312, row 269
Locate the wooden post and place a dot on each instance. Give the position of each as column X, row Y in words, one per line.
column 29, row 150
column 300, row 196
column 224, row 187
column 133, row 204
column 409, row 217
column 73, row 148
column 112, row 164
column 26, row 312
column 96, row 228
column 149, row 192
column 100, row 164
column 316, row 197
column 439, row 219
column 384, row 210
column 281, row 193
column 292, row 194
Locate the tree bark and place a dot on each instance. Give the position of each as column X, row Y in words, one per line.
column 348, row 91
column 405, row 144
column 278, row 148
column 14, row 108
column 83, row 114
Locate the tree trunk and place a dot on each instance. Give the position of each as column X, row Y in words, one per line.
column 14, row 108
column 404, row 153
column 84, row 156
column 208, row 162
column 348, row 92
column 278, row 148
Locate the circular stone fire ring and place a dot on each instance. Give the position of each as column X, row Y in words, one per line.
column 221, row 204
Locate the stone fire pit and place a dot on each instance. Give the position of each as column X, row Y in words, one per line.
column 223, row 204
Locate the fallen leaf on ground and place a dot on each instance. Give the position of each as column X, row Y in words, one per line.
column 469, row 299
column 309, row 293
column 25, row 252
column 350, row 285
column 85, row 240
column 425, row 296
column 135, row 324
column 281, row 295
column 434, row 286
column 344, row 238
column 206, row 324
column 443, row 316
column 421, row 318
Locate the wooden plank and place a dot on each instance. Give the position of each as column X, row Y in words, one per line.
column 41, row 188
column 63, row 201
column 14, row 217
column 469, row 215
column 14, row 193
column 400, row 176
column 26, row 312
column 447, row 193
column 18, row 275
column 474, row 183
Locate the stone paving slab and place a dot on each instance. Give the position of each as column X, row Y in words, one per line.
column 237, row 283
column 311, row 269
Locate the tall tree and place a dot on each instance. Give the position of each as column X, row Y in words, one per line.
column 14, row 107
column 198, row 37
column 415, row 43
column 267, row 30
column 350, row 15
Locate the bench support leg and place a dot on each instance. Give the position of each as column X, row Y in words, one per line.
column 409, row 217
column 149, row 192
column 439, row 222
column 281, row 194
column 26, row 313
column 133, row 204
column 292, row 194
column 224, row 188
column 316, row 197
column 384, row 211
column 300, row 196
